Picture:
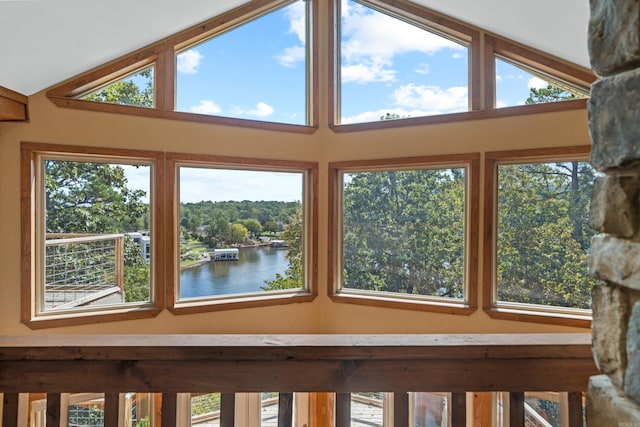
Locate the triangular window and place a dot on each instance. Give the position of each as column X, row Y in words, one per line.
column 519, row 85
column 256, row 71
column 393, row 68
column 136, row 89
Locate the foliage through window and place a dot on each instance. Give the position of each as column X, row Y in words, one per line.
column 393, row 69
column 404, row 231
column 255, row 71
column 136, row 90
column 542, row 233
column 92, row 230
column 519, row 86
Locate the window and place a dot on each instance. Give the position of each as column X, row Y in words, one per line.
column 135, row 90
column 88, row 227
column 246, row 232
column 404, row 233
column 539, row 245
column 412, row 68
column 255, row 71
column 517, row 75
column 518, row 86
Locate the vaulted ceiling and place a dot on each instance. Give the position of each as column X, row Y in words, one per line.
column 43, row 42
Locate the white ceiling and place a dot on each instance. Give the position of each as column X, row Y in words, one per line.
column 43, row 42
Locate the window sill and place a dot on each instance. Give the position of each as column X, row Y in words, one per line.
column 550, row 317
column 56, row 320
column 458, row 307
column 234, row 302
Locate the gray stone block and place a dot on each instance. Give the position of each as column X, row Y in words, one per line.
column 613, row 121
column 609, row 327
column 614, row 35
column 615, row 260
column 607, row 405
column 632, row 374
column 614, row 205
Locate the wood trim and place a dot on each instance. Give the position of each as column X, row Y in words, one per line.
column 489, row 64
column 516, row 409
column 174, row 160
column 9, row 410
column 227, row 409
column 459, row 409
column 519, row 110
column 538, row 60
column 343, row 409
column 333, row 61
column 13, row 105
column 401, row 410
column 29, row 153
column 54, row 410
column 469, row 160
column 489, row 305
column 313, row 75
column 79, row 104
column 326, row 363
column 111, row 409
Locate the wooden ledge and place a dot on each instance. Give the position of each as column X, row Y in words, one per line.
column 13, row 105
column 295, row 347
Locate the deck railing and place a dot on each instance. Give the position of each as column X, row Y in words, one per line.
column 82, row 268
column 341, row 364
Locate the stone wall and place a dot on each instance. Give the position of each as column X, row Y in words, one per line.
column 613, row 398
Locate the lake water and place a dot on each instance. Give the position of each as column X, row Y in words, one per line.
column 233, row 277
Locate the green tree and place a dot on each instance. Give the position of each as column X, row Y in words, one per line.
column 404, row 232
column 549, row 93
column 238, row 233
column 293, row 235
column 127, row 91
column 252, row 225
column 87, row 197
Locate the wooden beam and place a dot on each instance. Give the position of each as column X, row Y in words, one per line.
column 343, row 409
column 13, row 105
column 9, row 410
column 401, row 409
column 458, row 409
column 227, row 409
column 285, row 410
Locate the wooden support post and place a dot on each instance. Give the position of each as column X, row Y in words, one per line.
column 401, row 409
column 169, row 409
column 54, row 410
column 516, row 409
column 321, row 408
column 458, row 409
column 111, row 409
column 10, row 410
column 285, row 410
column 343, row 409
column 227, row 409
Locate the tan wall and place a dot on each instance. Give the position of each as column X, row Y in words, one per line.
column 50, row 124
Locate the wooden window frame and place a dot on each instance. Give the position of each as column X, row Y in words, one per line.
column 309, row 170
column 528, row 58
column 415, row 15
column 521, row 312
column 30, row 232
column 466, row 306
column 162, row 55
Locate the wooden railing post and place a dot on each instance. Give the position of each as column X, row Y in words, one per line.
column 54, row 410
column 516, row 409
column 458, row 409
column 111, row 409
column 343, row 409
column 119, row 262
column 401, row 409
column 10, row 410
column 574, row 409
column 227, row 409
column 169, row 409
column 285, row 410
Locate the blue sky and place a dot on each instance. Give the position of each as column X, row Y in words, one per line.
column 257, row 71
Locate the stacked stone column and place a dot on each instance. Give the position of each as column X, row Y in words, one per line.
column 613, row 398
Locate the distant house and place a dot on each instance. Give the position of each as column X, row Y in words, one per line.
column 143, row 241
column 229, row 254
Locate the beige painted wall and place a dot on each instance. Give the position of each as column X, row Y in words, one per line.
column 50, row 124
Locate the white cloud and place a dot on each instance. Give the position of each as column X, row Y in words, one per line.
column 206, row 107
column 189, row 61
column 432, row 98
column 291, row 55
column 498, row 78
column 262, row 110
column 361, row 73
column 376, row 116
column 373, row 39
column 536, row 83
column 423, row 69
column 296, row 15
